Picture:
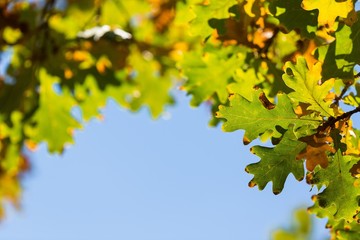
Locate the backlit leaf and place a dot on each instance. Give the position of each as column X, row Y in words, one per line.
column 293, row 16
column 209, row 74
column 307, row 86
column 52, row 122
column 329, row 10
column 340, row 197
column 277, row 163
column 341, row 55
column 255, row 119
column 205, row 10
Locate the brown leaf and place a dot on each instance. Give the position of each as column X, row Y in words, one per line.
column 316, row 150
column 163, row 13
column 351, row 18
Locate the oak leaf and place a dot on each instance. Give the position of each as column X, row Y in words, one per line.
column 329, row 10
column 316, row 151
column 209, row 73
column 339, row 200
column 307, row 87
column 293, row 16
column 53, row 121
column 277, row 163
column 256, row 119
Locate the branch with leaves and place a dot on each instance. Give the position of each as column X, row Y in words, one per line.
column 275, row 78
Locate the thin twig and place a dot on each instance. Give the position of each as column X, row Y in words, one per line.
column 343, row 91
column 331, row 121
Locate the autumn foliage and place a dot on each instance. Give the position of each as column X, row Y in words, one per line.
column 281, row 71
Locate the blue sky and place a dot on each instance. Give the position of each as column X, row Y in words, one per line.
column 129, row 177
column 132, row 178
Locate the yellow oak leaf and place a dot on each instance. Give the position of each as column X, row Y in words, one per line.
column 329, row 10
column 248, row 7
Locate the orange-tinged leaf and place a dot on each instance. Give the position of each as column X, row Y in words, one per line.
column 102, row 64
column 80, row 56
column 31, row 145
column 178, row 51
column 330, row 96
column 316, row 151
column 68, row 73
column 307, row 86
column 260, row 37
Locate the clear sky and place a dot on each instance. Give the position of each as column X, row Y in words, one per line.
column 131, row 178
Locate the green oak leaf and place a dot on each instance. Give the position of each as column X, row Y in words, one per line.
column 277, row 163
column 90, row 98
column 204, row 12
column 255, row 119
column 151, row 85
column 293, row 16
column 340, row 57
column 339, row 200
column 283, row 46
column 326, row 54
column 343, row 230
column 305, row 83
column 209, row 73
column 245, row 81
column 52, row 121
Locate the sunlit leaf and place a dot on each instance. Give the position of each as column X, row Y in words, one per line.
column 307, row 86
column 277, row 163
column 52, row 121
column 329, row 10
column 256, row 119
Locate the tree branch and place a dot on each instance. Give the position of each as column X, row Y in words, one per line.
column 344, row 90
column 331, row 121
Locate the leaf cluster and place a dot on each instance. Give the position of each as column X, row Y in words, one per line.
column 281, row 71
